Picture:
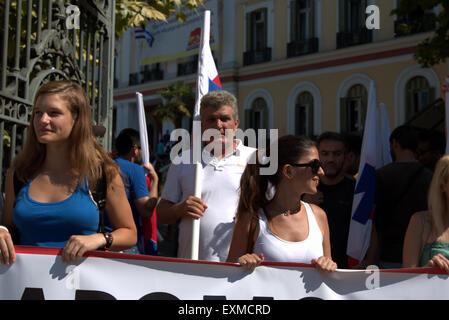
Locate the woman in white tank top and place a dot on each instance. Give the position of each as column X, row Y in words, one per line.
column 273, row 224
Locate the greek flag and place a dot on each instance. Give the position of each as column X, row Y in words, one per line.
column 363, row 203
column 142, row 33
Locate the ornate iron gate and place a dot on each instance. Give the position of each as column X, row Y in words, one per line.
column 44, row 40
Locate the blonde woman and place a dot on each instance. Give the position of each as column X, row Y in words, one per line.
column 426, row 242
column 58, row 167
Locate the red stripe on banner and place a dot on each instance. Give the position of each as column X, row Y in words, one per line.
column 117, row 255
column 38, row 250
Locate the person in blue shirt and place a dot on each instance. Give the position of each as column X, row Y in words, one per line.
column 141, row 199
column 59, row 165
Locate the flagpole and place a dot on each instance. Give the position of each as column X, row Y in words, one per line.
column 204, row 44
column 143, row 129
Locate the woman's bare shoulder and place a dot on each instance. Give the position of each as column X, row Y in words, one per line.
column 320, row 215
column 421, row 217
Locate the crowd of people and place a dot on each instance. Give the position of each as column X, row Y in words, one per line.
column 300, row 213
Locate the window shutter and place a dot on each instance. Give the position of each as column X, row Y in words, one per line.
column 293, row 21
column 311, row 119
column 248, row 118
column 408, row 103
column 249, row 31
column 364, row 108
column 431, row 95
column 343, row 114
column 342, row 12
column 265, row 117
column 311, row 19
column 297, row 124
column 265, row 27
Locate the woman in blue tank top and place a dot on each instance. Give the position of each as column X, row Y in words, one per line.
column 58, row 166
column 426, row 242
column 287, row 229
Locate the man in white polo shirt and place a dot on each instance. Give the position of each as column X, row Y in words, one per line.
column 220, row 186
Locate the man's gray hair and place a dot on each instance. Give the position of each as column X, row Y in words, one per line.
column 218, row 99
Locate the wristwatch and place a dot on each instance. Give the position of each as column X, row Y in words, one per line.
column 109, row 239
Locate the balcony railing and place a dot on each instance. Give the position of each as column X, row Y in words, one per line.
column 406, row 25
column 298, row 48
column 187, row 68
column 152, row 75
column 134, row 78
column 256, row 56
column 347, row 39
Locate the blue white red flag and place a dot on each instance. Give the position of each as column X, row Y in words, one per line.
column 363, row 203
column 142, row 33
column 208, row 79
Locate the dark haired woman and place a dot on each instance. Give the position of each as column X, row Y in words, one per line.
column 59, row 165
column 286, row 229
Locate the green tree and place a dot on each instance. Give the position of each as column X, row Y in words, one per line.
column 128, row 13
column 179, row 102
column 435, row 49
column 131, row 13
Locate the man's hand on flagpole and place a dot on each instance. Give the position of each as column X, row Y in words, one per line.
column 193, row 207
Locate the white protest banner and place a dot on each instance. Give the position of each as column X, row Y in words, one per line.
column 40, row 273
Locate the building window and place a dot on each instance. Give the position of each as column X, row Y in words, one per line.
column 303, row 41
column 419, row 95
column 352, row 30
column 304, row 114
column 353, row 109
column 257, row 50
column 415, row 22
column 257, row 117
column 152, row 72
column 188, row 66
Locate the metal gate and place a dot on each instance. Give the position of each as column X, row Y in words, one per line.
column 47, row 40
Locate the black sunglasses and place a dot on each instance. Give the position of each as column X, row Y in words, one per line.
column 315, row 164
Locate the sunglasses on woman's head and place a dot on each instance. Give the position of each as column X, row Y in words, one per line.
column 315, row 164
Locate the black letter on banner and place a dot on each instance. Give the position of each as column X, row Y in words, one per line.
column 214, row 297
column 311, row 298
column 92, row 295
column 159, row 296
column 33, row 294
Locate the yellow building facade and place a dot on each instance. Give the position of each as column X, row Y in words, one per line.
column 327, row 89
column 304, row 66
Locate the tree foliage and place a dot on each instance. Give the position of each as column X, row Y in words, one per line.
column 128, row 13
column 131, row 13
column 179, row 101
column 435, row 49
